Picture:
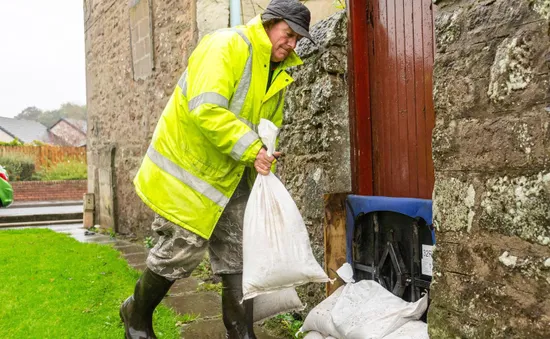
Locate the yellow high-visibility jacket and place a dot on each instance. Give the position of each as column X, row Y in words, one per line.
column 206, row 135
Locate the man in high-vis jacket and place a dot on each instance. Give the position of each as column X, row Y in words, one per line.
column 204, row 155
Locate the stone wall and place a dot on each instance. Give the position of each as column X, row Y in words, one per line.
column 315, row 132
column 491, row 153
column 123, row 112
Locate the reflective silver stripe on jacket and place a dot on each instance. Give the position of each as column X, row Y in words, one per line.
column 237, row 102
column 249, row 124
column 183, row 83
column 208, row 98
column 242, row 145
column 187, row 178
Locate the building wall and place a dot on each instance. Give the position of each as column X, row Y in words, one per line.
column 68, row 134
column 5, row 137
column 315, row 132
column 214, row 14
column 491, row 156
column 320, row 9
column 123, row 112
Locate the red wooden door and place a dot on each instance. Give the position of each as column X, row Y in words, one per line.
column 397, row 39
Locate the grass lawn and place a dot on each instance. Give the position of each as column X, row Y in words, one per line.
column 52, row 286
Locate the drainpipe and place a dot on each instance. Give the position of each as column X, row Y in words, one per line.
column 234, row 13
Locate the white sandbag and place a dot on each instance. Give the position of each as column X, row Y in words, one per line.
column 366, row 310
column 272, row 304
column 319, row 318
column 411, row 330
column 314, row 335
column 345, row 272
column 276, row 249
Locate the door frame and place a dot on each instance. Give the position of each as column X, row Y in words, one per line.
column 359, row 105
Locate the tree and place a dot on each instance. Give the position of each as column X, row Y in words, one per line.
column 48, row 118
column 73, row 111
column 30, row 113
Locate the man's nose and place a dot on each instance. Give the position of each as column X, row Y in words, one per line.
column 292, row 42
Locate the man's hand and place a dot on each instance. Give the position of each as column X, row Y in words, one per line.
column 263, row 162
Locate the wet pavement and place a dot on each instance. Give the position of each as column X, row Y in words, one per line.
column 184, row 297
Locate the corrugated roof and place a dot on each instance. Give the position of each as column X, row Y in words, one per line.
column 25, row 130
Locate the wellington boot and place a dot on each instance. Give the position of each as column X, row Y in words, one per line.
column 136, row 312
column 237, row 317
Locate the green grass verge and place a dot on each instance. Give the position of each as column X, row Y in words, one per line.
column 67, row 170
column 52, row 286
column 285, row 326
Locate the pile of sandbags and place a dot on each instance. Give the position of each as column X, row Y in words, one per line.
column 366, row 310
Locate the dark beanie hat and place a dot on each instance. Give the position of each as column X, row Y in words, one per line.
column 293, row 12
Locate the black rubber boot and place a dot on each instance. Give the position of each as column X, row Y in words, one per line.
column 136, row 312
column 237, row 317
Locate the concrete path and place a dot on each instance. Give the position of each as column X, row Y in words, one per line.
column 45, row 203
column 22, row 210
column 41, row 213
column 184, row 296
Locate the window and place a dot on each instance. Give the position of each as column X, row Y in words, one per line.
column 141, row 38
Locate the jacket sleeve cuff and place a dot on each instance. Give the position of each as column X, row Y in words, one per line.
column 250, row 154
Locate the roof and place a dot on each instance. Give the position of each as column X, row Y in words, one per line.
column 25, row 130
column 80, row 125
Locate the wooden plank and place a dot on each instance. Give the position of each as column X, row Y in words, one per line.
column 422, row 155
column 412, row 136
column 335, row 236
column 392, row 114
column 383, row 111
column 401, row 173
column 374, row 86
column 354, row 147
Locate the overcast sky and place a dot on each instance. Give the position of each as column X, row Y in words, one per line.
column 41, row 54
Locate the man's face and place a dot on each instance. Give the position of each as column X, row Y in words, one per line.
column 283, row 39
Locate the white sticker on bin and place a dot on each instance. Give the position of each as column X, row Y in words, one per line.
column 427, row 262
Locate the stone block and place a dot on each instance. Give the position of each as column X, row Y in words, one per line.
column 214, row 329
column 453, row 203
column 505, row 71
column 184, row 286
column 205, row 304
column 517, row 77
column 135, row 259
column 492, row 144
column 88, row 219
column 518, row 206
column 475, row 304
column 204, row 329
column 448, row 27
column 125, row 247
